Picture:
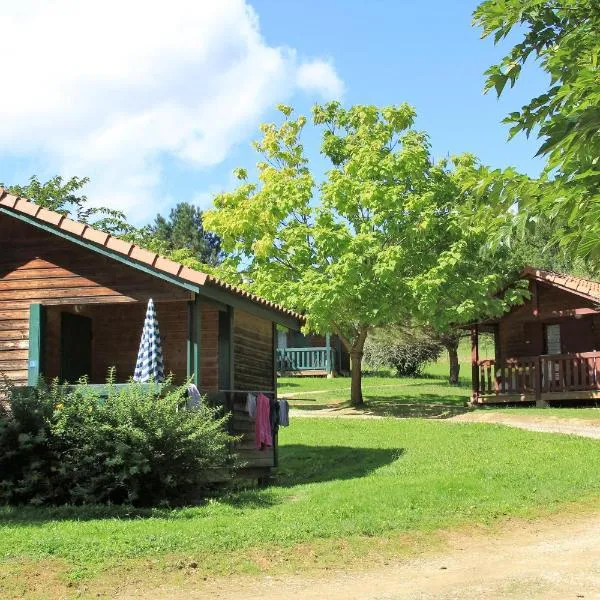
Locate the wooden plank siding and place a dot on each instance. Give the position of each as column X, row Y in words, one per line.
column 253, row 366
column 521, row 333
column 253, row 352
column 209, row 348
column 38, row 267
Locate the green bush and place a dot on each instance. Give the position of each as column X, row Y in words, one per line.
column 133, row 445
column 27, row 462
column 405, row 352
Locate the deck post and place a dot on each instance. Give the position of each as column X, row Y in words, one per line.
column 36, row 326
column 538, row 384
column 475, row 362
column 231, row 312
column 328, row 362
column 275, row 434
column 193, row 341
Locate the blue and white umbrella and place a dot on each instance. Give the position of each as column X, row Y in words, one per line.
column 149, row 365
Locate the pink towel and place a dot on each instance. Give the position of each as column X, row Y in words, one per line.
column 262, row 427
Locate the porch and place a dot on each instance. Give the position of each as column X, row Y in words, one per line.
column 537, row 379
column 306, row 361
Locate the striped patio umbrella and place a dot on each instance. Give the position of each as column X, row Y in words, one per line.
column 149, row 365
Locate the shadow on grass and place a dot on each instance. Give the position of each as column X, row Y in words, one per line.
column 38, row 515
column 286, row 384
column 425, row 406
column 301, row 464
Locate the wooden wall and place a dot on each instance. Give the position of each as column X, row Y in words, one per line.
column 209, row 348
column 253, row 370
column 39, row 267
column 252, row 352
column 117, row 330
column 116, row 334
column 520, row 333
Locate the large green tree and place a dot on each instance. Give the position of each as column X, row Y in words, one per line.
column 384, row 236
column 563, row 37
column 184, row 229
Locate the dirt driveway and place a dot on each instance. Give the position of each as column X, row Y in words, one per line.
column 533, row 423
column 538, row 422
column 551, row 559
column 557, row 558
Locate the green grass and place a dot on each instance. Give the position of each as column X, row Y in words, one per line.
column 339, row 479
column 427, row 396
column 385, row 395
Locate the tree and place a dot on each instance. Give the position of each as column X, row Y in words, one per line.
column 564, row 37
column 64, row 197
column 379, row 240
column 184, row 230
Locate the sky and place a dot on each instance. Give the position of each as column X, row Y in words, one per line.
column 158, row 102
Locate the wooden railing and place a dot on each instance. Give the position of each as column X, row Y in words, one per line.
column 540, row 374
column 305, row 359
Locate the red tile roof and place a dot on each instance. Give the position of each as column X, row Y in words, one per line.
column 581, row 286
column 132, row 251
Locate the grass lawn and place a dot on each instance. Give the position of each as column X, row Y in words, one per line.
column 346, row 489
column 426, row 396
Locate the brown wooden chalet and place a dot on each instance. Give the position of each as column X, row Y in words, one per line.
column 547, row 349
column 73, row 300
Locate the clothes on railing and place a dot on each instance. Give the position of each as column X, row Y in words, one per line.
column 279, row 410
column 263, row 425
column 284, row 413
column 195, row 399
column 251, row 405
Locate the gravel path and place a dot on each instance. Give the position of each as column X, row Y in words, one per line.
column 552, row 559
column 533, row 423
column 580, row 427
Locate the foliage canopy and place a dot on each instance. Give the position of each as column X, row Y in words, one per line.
column 387, row 233
column 564, row 37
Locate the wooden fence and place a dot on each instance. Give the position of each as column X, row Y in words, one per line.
column 537, row 375
column 305, row 359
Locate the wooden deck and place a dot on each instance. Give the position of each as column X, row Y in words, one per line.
column 307, row 362
column 538, row 379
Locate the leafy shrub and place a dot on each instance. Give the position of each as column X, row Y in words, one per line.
column 27, row 462
column 405, row 352
column 61, row 444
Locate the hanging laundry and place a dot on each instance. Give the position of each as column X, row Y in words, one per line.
column 195, row 399
column 274, row 415
column 262, row 428
column 284, row 413
column 251, row 405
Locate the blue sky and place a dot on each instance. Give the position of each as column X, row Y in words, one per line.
column 164, row 118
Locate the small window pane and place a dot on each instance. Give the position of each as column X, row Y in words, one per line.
column 553, row 345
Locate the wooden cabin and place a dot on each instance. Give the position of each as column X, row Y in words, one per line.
column 547, row 349
column 73, row 301
column 311, row 355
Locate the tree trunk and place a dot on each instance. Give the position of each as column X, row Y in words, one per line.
column 452, row 347
column 356, row 397
column 355, row 349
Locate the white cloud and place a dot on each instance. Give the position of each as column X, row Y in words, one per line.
column 107, row 89
column 320, row 77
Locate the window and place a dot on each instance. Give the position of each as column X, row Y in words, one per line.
column 553, row 344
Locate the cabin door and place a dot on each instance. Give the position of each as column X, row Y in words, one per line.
column 75, row 347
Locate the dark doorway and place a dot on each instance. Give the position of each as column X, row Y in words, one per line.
column 75, row 347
